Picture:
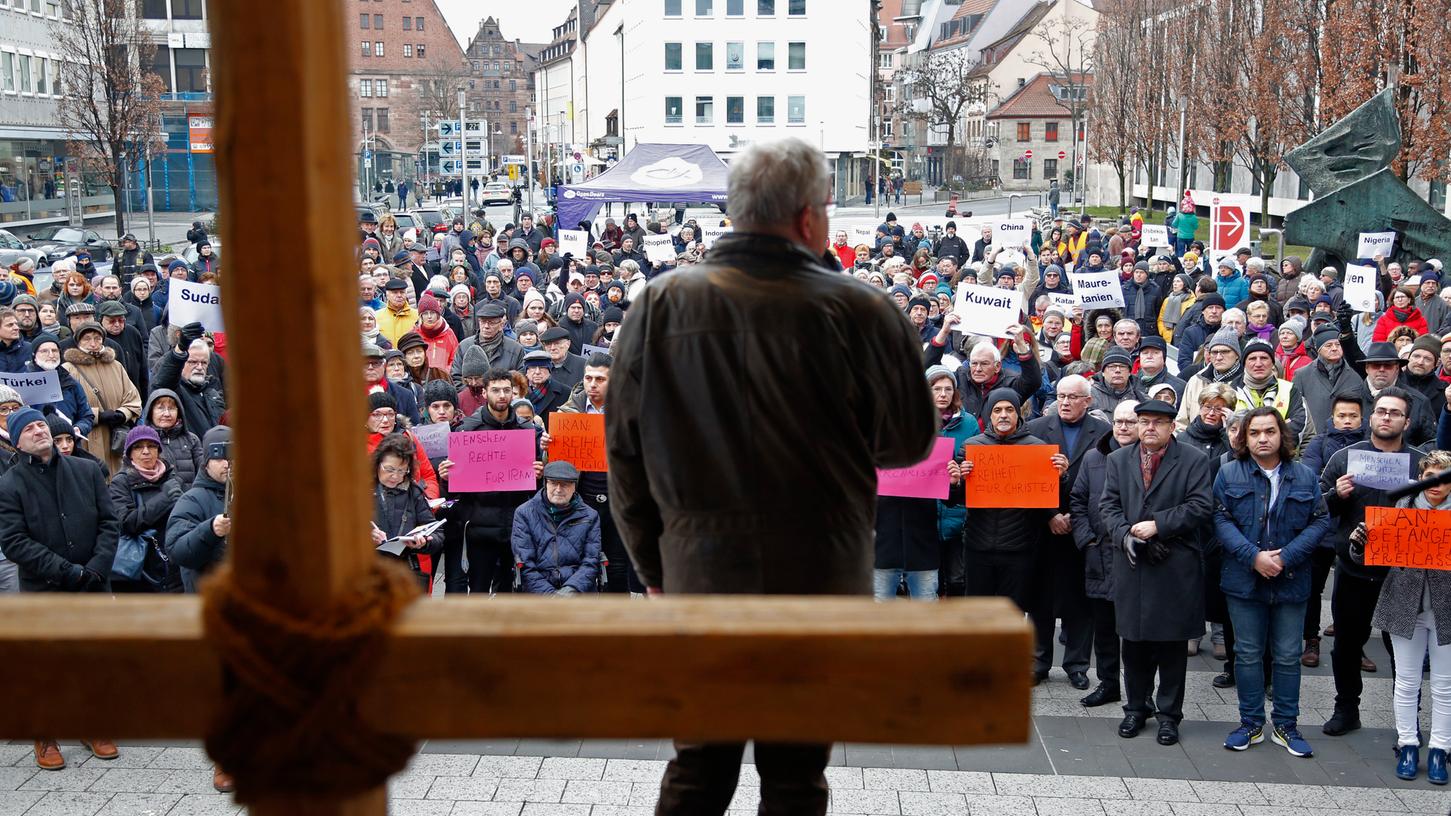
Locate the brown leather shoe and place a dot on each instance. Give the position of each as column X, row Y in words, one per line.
column 102, row 748
column 1311, row 657
column 222, row 781
column 48, row 756
column 1366, row 664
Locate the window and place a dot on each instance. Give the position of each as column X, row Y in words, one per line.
column 795, row 110
column 418, row 23
column 1025, row 131
column 382, row 120
column 380, row 87
column 766, row 56
column 408, row 50
column 418, row 51
column 704, row 110
column 161, row 66
column 1050, row 131
column 765, row 110
column 672, row 8
column 1022, row 169
column 704, row 8
column 363, row 21
column 884, row 60
column 735, row 56
column 1050, row 168
column 52, row 9
column 153, row 9
column 25, row 85
column 184, row 9
column 367, row 48
column 191, row 69
column 705, row 56
column 7, row 71
column 365, row 88
column 513, row 106
column 796, row 8
column 513, row 127
column 513, row 85
column 735, row 110
column 673, row 59
column 378, row 49
column 735, row 8
column 407, row 23
column 796, row 56
column 765, row 8
column 378, row 22
column 367, row 119
column 673, row 114
column 42, row 78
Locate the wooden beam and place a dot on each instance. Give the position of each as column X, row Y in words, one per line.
column 785, row 668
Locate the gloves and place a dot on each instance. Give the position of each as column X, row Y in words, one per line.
column 1344, row 317
column 1357, row 543
column 1131, row 548
column 111, row 418
column 568, row 590
column 93, row 582
column 190, row 333
column 74, row 577
column 1157, row 551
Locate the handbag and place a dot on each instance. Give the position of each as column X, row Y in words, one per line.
column 118, row 438
column 131, row 552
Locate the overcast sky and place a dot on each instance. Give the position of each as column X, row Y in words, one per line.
column 534, row 25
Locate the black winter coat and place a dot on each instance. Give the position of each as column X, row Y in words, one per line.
column 133, row 356
column 195, row 547
column 907, row 534
column 146, row 506
column 1090, row 532
column 182, row 448
column 54, row 515
column 1008, row 530
column 201, row 406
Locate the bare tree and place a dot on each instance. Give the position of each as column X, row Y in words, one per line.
column 438, row 83
column 1066, row 53
column 1111, row 112
column 937, row 90
column 111, row 105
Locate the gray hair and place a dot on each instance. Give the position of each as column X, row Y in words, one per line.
column 1126, row 323
column 771, row 181
column 1075, row 383
column 992, row 350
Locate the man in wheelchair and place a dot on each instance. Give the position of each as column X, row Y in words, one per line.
column 556, row 538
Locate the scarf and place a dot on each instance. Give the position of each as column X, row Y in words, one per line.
column 1267, row 382
column 492, row 348
column 1208, row 374
column 371, row 337
column 434, row 333
column 1330, row 370
column 152, row 475
column 1420, row 503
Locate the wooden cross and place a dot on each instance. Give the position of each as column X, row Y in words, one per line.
column 698, row 668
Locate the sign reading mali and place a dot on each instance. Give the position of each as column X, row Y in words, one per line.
column 1403, row 537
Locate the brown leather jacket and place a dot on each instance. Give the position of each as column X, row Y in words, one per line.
column 751, row 400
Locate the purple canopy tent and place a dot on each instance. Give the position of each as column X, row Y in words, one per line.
column 649, row 172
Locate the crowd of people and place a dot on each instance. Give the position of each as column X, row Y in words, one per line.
column 1204, row 432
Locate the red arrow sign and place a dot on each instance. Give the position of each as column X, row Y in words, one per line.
column 1230, row 224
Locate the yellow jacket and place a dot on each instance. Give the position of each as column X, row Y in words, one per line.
column 394, row 325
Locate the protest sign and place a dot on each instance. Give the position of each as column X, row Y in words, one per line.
column 1404, row 537
column 574, row 242
column 659, row 248
column 35, row 388
column 1065, row 303
column 1382, row 471
column 189, row 302
column 1154, row 235
column 433, row 437
column 1360, row 287
column 491, row 461
column 588, row 350
column 1011, row 476
column 578, row 439
column 709, row 234
column 1012, row 233
column 987, row 309
column 1098, row 290
column 925, row 480
column 1372, row 244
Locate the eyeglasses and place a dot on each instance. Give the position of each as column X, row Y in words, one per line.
column 384, row 413
column 1388, row 413
column 1066, row 397
column 1125, row 423
column 394, row 471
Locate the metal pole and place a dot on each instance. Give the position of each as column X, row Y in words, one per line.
column 463, row 154
column 529, row 154
column 150, row 200
column 1183, row 171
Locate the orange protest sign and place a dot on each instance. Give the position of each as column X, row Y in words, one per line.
column 578, row 439
column 1402, row 537
column 1011, row 476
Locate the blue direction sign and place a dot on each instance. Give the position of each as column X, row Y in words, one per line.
column 445, row 128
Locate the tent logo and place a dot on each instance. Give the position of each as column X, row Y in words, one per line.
column 671, row 171
column 569, row 194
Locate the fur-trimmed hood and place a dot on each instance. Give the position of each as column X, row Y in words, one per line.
column 75, row 356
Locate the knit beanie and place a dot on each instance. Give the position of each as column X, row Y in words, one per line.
column 439, row 391
column 1226, row 337
column 1428, row 342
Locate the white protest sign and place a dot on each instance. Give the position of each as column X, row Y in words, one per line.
column 35, row 388
column 1372, row 244
column 1360, row 287
column 1098, row 290
column 659, row 248
column 1154, row 235
column 1064, row 303
column 1012, row 233
column 987, row 309
column 709, row 234
column 433, row 437
column 1382, row 471
column 588, row 350
column 574, row 242
column 189, row 302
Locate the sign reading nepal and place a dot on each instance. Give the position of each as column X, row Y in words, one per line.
column 1403, row 537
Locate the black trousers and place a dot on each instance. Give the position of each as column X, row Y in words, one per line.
column 620, row 572
column 1352, row 602
column 952, row 575
column 1006, row 574
column 701, row 779
column 1105, row 641
column 490, row 567
column 1142, row 660
column 1321, row 560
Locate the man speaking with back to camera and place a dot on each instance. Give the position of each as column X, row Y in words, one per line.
column 716, row 488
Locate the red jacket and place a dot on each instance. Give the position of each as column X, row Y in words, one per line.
column 1291, row 361
column 1390, row 320
column 423, row 472
column 847, row 254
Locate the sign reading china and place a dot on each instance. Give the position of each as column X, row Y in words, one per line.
column 1011, row 476
column 1012, row 233
column 35, row 387
column 491, row 461
column 578, row 439
column 1360, row 287
column 925, row 480
column 1098, row 290
column 189, row 302
column 575, row 242
column 1403, row 537
column 987, row 309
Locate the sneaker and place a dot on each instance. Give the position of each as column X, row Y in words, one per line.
column 1288, row 737
column 1408, row 762
column 1436, row 767
column 1223, row 680
column 1244, row 736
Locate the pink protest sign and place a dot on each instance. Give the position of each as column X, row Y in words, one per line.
column 491, row 461
column 925, row 480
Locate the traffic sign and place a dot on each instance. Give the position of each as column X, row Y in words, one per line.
column 445, row 128
column 1228, row 227
column 1062, row 155
column 1027, row 154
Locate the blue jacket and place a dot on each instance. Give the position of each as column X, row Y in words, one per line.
column 555, row 556
column 14, row 356
column 951, row 518
column 1234, row 288
column 1295, row 526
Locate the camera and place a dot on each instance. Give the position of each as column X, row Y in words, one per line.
column 219, row 450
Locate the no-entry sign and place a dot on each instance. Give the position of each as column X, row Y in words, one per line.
column 1062, row 155
column 1228, row 228
column 1027, row 154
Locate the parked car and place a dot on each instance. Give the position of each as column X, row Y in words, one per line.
column 190, row 254
column 13, row 249
column 429, row 217
column 497, row 193
column 55, row 243
column 407, row 221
